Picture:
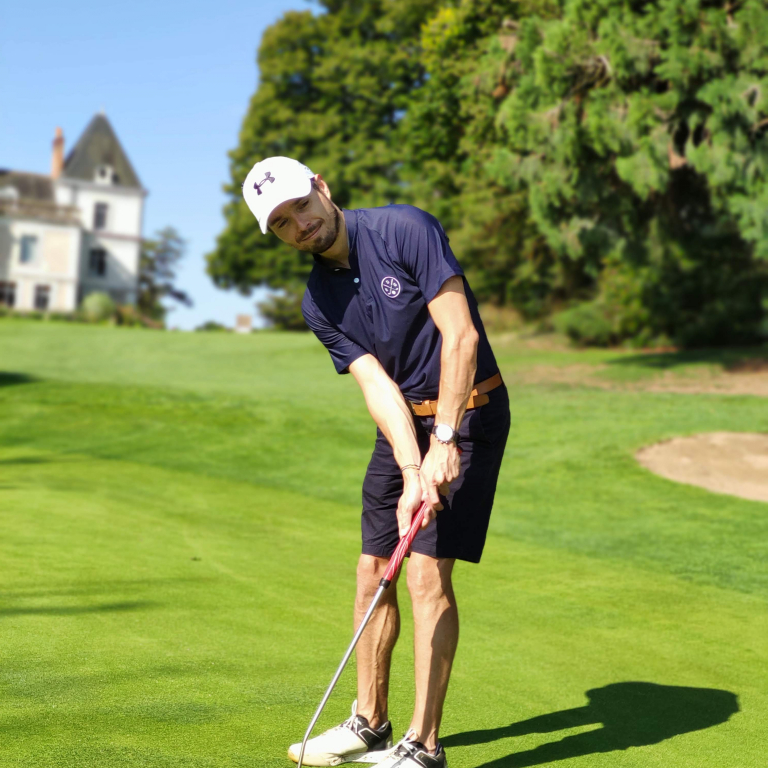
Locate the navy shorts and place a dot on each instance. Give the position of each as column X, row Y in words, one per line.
column 461, row 527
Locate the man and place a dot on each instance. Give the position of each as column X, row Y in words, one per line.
column 388, row 299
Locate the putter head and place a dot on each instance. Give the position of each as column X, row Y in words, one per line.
column 301, row 752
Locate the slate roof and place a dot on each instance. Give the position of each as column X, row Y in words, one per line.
column 32, row 198
column 28, row 186
column 99, row 145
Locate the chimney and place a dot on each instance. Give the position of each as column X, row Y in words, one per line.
column 57, row 159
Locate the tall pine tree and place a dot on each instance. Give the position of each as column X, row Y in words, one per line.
column 638, row 133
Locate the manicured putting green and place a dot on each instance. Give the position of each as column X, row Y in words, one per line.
column 178, row 538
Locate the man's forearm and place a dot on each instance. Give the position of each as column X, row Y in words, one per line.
column 392, row 415
column 458, row 365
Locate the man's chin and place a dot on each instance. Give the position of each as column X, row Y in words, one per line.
column 322, row 241
column 319, row 245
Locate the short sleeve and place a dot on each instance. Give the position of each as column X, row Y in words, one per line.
column 425, row 252
column 343, row 351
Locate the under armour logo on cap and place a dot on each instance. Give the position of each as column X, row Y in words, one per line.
column 258, row 185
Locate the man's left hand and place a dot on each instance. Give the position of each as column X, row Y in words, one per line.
column 439, row 469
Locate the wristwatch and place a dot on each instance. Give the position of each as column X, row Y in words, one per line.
column 445, row 433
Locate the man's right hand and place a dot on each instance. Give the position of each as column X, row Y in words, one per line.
column 410, row 502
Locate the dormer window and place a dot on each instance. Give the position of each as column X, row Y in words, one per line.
column 100, row 216
column 105, row 174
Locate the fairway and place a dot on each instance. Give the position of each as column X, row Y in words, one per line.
column 179, row 530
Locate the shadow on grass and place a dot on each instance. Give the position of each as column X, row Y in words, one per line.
column 96, row 588
column 75, row 610
column 737, row 359
column 24, row 460
column 8, row 379
column 633, row 714
column 24, row 687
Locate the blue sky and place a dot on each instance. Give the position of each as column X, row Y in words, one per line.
column 173, row 78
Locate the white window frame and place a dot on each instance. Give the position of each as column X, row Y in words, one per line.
column 42, row 289
column 8, row 288
column 35, row 260
column 91, row 271
column 105, row 224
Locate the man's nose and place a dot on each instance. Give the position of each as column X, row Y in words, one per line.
column 304, row 223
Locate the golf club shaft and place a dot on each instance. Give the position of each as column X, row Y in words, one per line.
column 366, row 618
column 392, row 568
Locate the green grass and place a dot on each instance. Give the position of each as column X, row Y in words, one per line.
column 622, row 365
column 178, row 538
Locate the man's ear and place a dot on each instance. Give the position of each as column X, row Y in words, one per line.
column 319, row 182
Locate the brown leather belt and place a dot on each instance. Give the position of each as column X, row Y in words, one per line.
column 477, row 398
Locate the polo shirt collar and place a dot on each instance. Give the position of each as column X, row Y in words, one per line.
column 350, row 217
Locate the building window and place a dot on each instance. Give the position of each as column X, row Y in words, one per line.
column 28, row 254
column 7, row 294
column 105, row 175
column 100, row 216
column 42, row 297
column 97, row 262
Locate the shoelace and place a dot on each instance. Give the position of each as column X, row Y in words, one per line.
column 348, row 723
column 405, row 749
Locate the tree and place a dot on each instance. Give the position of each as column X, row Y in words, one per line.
column 157, row 273
column 600, row 152
column 637, row 132
column 211, row 326
column 332, row 91
column 283, row 311
column 449, row 136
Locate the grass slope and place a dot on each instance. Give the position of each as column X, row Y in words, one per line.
column 178, row 537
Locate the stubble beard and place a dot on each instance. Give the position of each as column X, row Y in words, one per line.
column 327, row 240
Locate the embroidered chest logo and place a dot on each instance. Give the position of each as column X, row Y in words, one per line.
column 268, row 178
column 391, row 287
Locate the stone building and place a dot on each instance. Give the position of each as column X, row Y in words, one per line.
column 76, row 231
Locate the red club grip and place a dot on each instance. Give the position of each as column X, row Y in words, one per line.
column 403, row 546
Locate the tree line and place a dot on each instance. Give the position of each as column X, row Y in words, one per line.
column 604, row 162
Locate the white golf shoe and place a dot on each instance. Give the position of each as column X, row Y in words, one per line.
column 409, row 753
column 352, row 741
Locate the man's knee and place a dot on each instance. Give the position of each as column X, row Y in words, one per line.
column 370, row 571
column 429, row 579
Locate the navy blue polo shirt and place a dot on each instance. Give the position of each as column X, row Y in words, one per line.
column 399, row 259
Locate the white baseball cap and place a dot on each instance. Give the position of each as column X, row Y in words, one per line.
column 273, row 181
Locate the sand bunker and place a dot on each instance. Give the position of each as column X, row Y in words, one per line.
column 724, row 462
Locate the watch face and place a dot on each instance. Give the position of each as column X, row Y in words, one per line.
column 443, row 433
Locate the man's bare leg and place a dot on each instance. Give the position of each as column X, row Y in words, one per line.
column 436, row 635
column 374, row 650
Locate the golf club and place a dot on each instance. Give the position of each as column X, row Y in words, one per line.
column 392, row 568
